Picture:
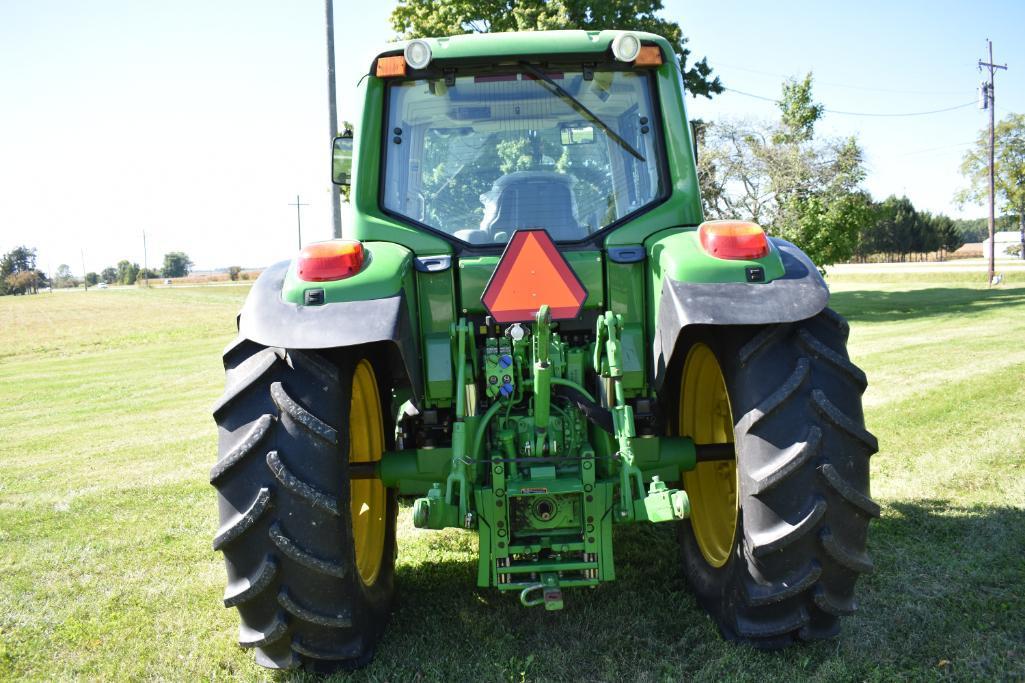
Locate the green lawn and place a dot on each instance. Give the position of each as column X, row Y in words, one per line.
column 106, row 515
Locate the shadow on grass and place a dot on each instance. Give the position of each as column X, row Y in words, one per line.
column 949, row 585
column 884, row 306
column 947, row 597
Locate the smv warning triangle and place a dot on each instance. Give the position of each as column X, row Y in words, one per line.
column 531, row 273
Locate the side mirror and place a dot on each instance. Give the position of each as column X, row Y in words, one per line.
column 341, row 159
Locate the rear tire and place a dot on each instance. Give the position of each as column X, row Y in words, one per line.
column 287, row 529
column 800, row 524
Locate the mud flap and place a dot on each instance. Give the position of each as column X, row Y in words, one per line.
column 801, row 293
column 269, row 320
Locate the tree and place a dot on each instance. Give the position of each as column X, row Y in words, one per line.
column 423, row 18
column 233, row 272
column 798, row 112
column 779, row 175
column 176, row 264
column 127, row 272
column 1009, row 169
column 18, row 273
column 63, row 277
column 91, row 279
column 898, row 220
column 949, row 236
column 23, row 282
column 108, row 275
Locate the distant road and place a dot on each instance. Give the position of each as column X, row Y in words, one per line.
column 956, row 266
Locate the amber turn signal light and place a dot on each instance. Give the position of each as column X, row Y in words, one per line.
column 733, row 239
column 389, row 67
column 650, row 55
column 333, row 260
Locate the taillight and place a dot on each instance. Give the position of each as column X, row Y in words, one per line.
column 334, row 260
column 733, row 239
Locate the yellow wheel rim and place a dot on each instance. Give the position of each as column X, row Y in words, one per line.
column 368, row 500
column 705, row 416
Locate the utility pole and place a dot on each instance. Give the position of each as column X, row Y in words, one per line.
column 336, row 195
column 145, row 260
column 989, row 101
column 298, row 218
column 85, row 282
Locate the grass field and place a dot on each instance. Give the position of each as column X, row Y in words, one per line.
column 106, row 515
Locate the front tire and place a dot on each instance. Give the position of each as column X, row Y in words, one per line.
column 777, row 538
column 309, row 553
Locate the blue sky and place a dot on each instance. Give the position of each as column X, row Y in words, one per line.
column 200, row 121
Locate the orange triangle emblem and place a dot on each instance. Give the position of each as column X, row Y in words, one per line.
column 532, row 273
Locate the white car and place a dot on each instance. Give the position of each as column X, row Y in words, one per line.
column 102, row 285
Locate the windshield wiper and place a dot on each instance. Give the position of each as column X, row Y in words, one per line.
column 582, row 108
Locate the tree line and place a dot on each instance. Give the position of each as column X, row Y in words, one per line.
column 20, row 275
column 176, row 264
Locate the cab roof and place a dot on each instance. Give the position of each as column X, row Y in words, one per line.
column 516, row 44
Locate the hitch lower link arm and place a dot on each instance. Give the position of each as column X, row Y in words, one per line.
column 458, row 478
column 608, row 362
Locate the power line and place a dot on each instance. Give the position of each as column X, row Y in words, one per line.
column 857, row 113
column 989, row 102
column 298, row 218
column 931, row 149
column 914, row 113
column 840, row 85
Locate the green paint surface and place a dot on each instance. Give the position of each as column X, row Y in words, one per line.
column 476, row 271
column 384, row 274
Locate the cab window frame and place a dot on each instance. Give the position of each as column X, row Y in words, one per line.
column 590, row 242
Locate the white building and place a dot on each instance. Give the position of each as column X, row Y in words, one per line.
column 1004, row 239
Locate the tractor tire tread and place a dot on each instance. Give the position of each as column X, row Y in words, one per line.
column 834, row 606
column 293, row 607
column 317, row 498
column 758, row 595
column 251, row 637
column 301, row 416
column 246, row 375
column 761, row 342
column 244, row 520
column 844, row 422
column 347, row 651
column 790, row 461
column 779, row 397
column 816, row 348
column 301, row 556
column 285, row 528
column 777, row 538
column 752, row 629
column 246, row 589
column 853, row 560
column 839, row 323
column 849, row 493
column 804, row 502
column 244, row 447
column 238, row 350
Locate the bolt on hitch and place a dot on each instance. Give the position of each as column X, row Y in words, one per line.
column 551, row 594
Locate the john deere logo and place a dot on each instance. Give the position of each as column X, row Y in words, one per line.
column 531, row 273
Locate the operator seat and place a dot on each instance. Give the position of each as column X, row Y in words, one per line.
column 532, row 199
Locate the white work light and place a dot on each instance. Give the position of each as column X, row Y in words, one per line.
column 418, row 54
column 625, row 47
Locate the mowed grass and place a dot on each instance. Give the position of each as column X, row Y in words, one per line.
column 106, row 515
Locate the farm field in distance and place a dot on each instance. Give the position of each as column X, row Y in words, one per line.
column 106, row 514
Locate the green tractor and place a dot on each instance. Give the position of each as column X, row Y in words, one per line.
column 531, row 332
